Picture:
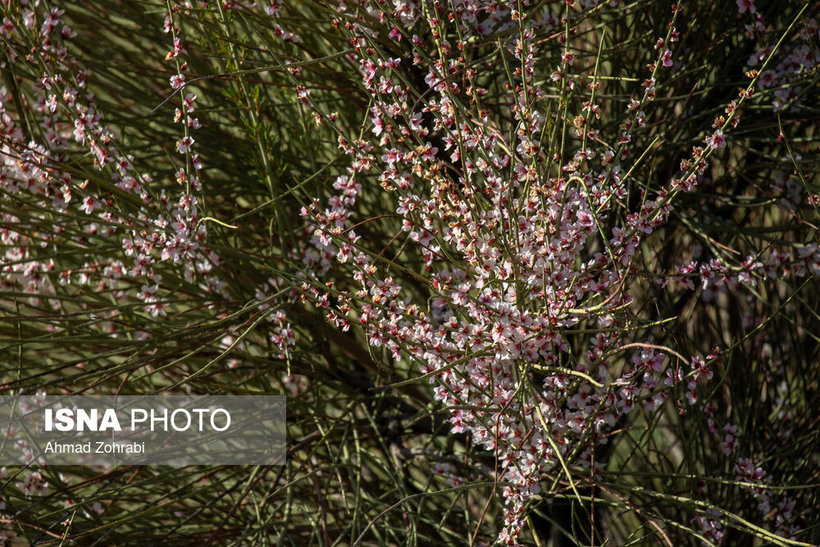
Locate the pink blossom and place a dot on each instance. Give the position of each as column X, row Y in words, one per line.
column 666, row 58
column 89, row 205
column 745, row 5
column 717, row 140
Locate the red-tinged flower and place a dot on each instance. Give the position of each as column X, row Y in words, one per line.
column 666, row 58
column 184, row 145
column 274, row 8
column 89, row 205
column 717, row 140
column 302, row 94
column 745, row 5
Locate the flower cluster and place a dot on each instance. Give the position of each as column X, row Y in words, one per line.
column 507, row 249
column 114, row 233
column 519, row 244
column 787, row 76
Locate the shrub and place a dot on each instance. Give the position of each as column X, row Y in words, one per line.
column 525, row 270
